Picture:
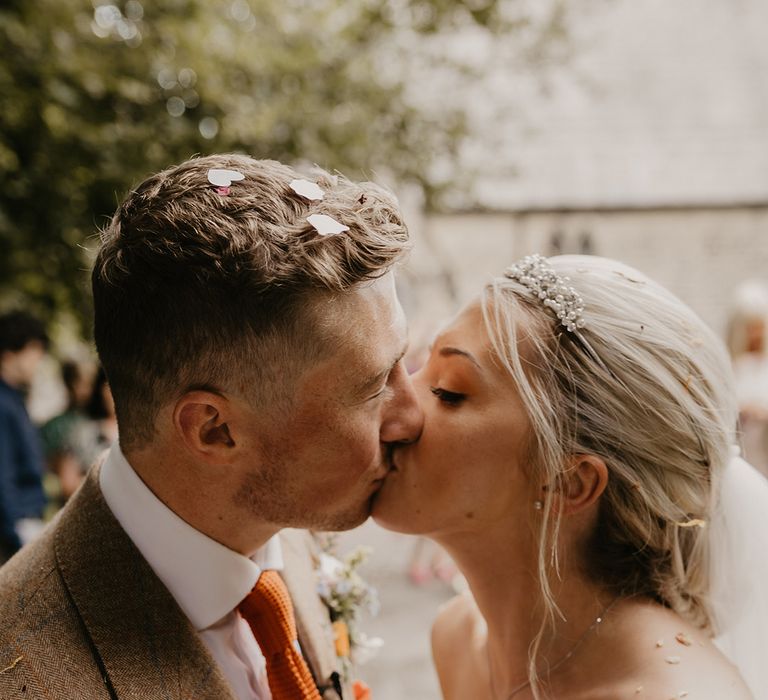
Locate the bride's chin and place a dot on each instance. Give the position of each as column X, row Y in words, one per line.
column 389, row 512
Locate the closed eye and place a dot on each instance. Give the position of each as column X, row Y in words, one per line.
column 451, row 398
column 378, row 393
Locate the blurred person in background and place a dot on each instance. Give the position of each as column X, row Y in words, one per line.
column 747, row 328
column 97, row 429
column 429, row 561
column 57, row 434
column 23, row 343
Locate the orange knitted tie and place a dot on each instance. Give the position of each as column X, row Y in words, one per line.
column 269, row 612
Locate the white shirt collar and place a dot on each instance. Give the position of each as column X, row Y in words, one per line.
column 207, row 579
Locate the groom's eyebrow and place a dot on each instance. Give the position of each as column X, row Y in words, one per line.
column 373, row 382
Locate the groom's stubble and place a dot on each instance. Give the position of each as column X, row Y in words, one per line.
column 265, row 493
column 272, row 491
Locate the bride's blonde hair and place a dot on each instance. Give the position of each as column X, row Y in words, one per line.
column 651, row 394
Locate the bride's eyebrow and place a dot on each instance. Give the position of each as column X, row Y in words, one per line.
column 447, row 351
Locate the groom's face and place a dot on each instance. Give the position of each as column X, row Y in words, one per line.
column 321, row 466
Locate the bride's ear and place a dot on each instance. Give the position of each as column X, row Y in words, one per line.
column 582, row 484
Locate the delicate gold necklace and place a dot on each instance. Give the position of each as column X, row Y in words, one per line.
column 573, row 650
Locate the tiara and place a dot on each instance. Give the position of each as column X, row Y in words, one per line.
column 555, row 292
column 552, row 290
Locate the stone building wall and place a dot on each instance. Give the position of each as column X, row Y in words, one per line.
column 700, row 253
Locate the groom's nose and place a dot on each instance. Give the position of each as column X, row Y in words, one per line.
column 403, row 419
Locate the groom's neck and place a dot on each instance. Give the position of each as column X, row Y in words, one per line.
column 203, row 499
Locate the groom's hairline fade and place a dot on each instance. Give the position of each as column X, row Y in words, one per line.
column 195, row 288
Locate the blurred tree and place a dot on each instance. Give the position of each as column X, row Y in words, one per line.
column 96, row 95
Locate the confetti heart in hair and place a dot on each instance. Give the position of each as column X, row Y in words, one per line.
column 224, row 178
column 326, row 225
column 308, row 190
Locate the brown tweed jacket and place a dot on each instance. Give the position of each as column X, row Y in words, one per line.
column 82, row 616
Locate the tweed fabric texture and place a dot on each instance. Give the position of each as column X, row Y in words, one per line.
column 269, row 612
column 83, row 616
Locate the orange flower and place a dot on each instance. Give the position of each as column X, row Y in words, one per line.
column 362, row 691
column 341, row 638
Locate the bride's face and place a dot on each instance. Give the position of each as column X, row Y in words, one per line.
column 468, row 470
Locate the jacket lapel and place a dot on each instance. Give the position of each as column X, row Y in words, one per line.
column 145, row 645
column 312, row 617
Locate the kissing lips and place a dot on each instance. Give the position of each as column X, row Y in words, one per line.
column 392, row 466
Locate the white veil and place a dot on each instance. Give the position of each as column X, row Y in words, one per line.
column 739, row 572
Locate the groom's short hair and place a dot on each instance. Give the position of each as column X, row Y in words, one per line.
column 200, row 287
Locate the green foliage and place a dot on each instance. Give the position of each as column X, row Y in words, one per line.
column 97, row 95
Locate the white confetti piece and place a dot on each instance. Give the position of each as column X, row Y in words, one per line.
column 326, row 225
column 308, row 190
column 224, row 178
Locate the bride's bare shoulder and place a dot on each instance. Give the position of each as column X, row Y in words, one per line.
column 665, row 657
column 699, row 675
column 457, row 620
column 458, row 638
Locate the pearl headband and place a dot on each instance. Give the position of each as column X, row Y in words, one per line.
column 556, row 293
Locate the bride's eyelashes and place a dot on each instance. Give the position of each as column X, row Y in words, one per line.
column 451, row 398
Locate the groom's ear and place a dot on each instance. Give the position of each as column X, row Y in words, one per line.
column 582, row 484
column 201, row 419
